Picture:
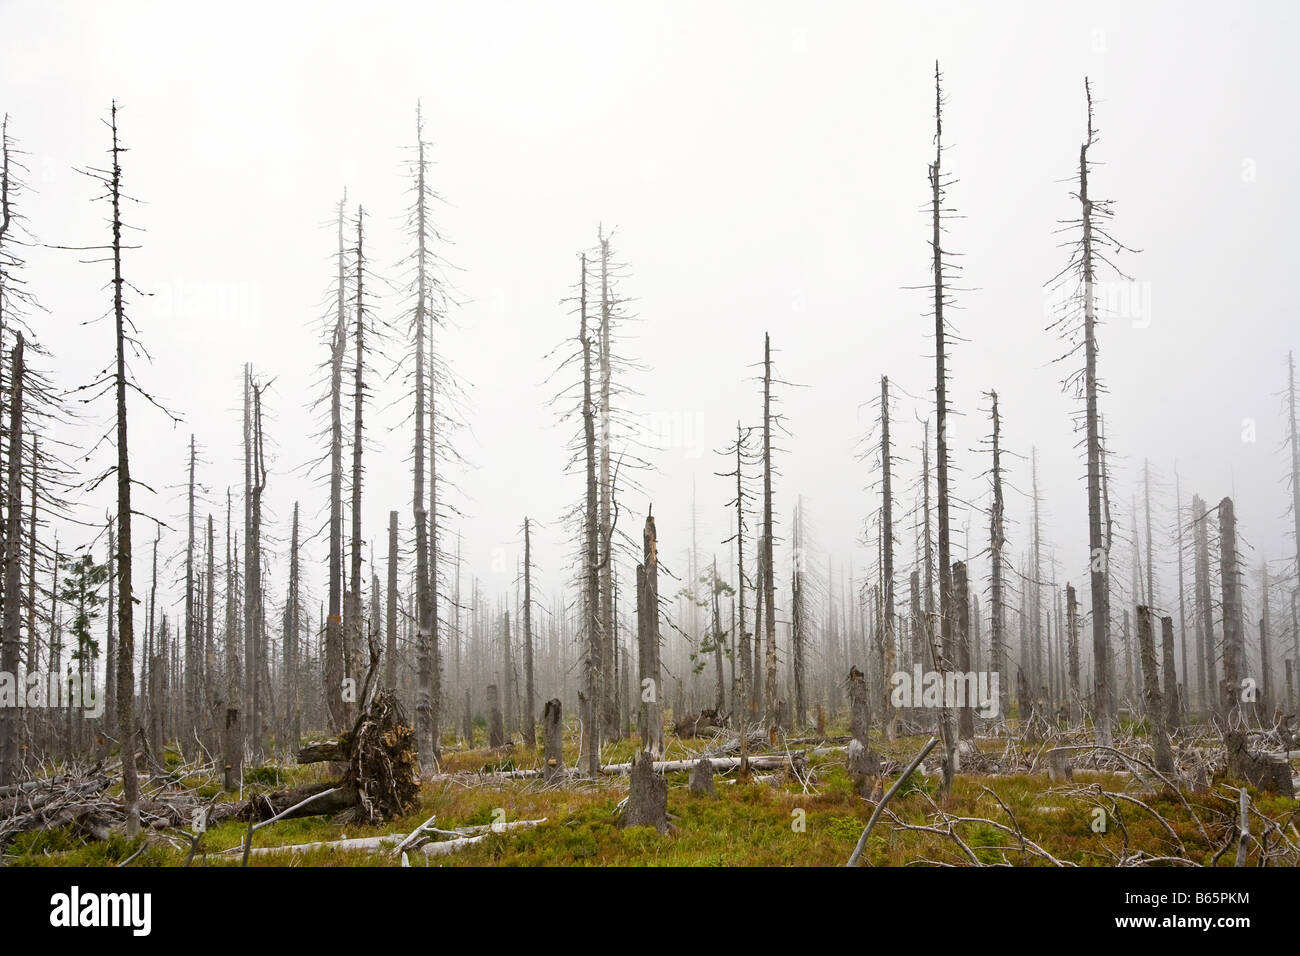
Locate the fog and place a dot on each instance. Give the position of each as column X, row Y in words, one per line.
column 762, row 168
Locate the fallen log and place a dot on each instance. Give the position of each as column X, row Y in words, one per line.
column 761, row 762
column 447, row 847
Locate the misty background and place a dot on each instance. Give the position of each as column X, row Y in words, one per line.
column 762, row 169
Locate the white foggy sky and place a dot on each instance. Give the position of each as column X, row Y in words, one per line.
column 764, row 168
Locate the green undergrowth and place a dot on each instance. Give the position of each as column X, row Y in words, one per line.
column 771, row 822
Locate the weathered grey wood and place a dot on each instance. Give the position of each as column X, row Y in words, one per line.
column 647, row 801
column 1155, row 713
column 701, row 780
column 553, row 737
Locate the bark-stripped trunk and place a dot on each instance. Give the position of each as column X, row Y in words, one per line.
column 10, row 646
column 742, row 636
column 390, row 635
column 334, row 666
column 591, row 561
column 352, row 624
column 769, row 581
column 292, row 613
column 887, row 546
column 1204, row 604
column 125, row 597
column 424, row 732
column 1096, row 545
column 1155, row 712
column 997, row 541
column 192, row 658
column 651, row 723
column 609, row 715
column 1072, row 633
column 530, row 704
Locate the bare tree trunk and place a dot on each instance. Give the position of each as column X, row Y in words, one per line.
column 192, row 681
column 11, row 648
column 125, row 597
column 961, row 637
column 508, row 678
column 426, row 744
column 1096, row 544
column 1266, row 698
column 595, row 643
column 292, row 615
column 553, row 732
column 390, row 651
column 1188, row 686
column 887, row 544
column 609, row 716
column 997, row 541
column 769, row 582
column 210, row 636
column 647, row 575
column 1204, row 603
column 530, row 712
column 797, row 622
column 742, row 636
column 232, row 742
column 334, row 665
column 352, row 610
column 1155, row 712
column 1075, row 701
column 719, row 685
column 1170, row 673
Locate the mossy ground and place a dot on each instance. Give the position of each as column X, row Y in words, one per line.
column 750, row 824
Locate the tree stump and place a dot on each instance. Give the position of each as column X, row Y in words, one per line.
column 702, row 778
column 863, row 764
column 553, row 737
column 1059, row 769
column 647, row 801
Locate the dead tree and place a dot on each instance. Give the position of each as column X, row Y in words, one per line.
column 1259, row 769
column 334, row 670
column 292, row 639
column 1072, row 631
column 553, row 735
column 530, row 712
column 390, row 634
column 193, row 680
column 352, row 624
column 591, row 561
column 1170, row 674
column 997, row 542
column 1155, row 712
column 426, row 289
column 886, row 548
column 768, row 582
column 1082, row 271
column 1204, row 602
column 508, row 677
column 650, row 724
column 10, row 642
column 863, row 764
column 798, row 617
column 961, row 638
